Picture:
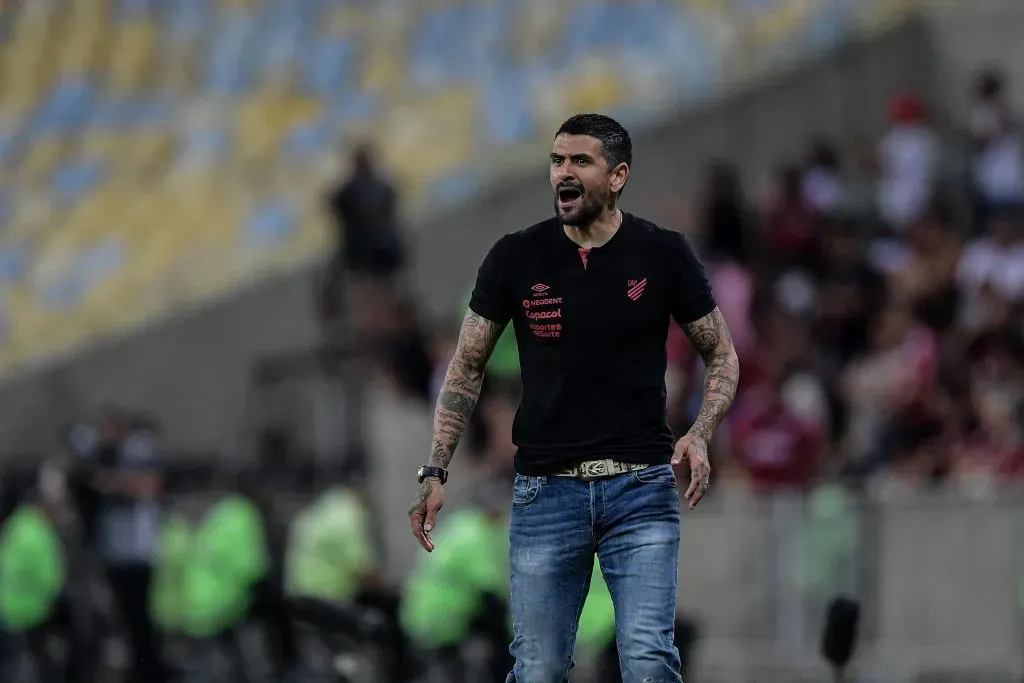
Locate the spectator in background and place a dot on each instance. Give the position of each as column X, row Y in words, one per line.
column 888, row 390
column 400, row 345
column 724, row 219
column 994, row 262
column 907, row 160
column 850, row 293
column 794, row 224
column 822, row 184
column 926, row 277
column 371, row 253
column 121, row 471
column 998, row 160
column 993, row 445
column 777, row 449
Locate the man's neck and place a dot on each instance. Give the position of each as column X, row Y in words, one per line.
column 597, row 233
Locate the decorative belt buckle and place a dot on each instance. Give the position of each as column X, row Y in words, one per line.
column 594, row 469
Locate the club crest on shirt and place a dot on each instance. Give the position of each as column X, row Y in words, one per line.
column 636, row 288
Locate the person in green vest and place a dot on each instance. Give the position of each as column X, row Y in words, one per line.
column 33, row 572
column 174, row 554
column 228, row 559
column 466, row 580
column 329, row 551
column 331, row 558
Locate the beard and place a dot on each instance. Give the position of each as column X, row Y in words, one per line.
column 583, row 210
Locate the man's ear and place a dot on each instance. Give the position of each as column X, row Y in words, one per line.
column 619, row 176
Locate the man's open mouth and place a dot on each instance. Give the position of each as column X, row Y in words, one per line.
column 569, row 194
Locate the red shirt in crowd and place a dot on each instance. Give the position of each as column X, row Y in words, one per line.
column 776, row 449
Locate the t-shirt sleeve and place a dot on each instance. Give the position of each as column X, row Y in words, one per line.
column 690, row 295
column 491, row 297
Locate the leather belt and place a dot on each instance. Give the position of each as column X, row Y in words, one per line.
column 598, row 469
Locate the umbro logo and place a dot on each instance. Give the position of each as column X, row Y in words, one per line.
column 636, row 288
column 539, row 288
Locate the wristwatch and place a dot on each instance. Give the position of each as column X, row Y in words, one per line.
column 428, row 471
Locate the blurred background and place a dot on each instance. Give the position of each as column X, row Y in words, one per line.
column 237, row 238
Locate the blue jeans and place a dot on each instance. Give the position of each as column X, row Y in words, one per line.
column 632, row 522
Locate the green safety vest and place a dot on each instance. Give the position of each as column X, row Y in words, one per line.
column 166, row 603
column 597, row 621
column 504, row 362
column 32, row 569
column 830, row 541
column 228, row 558
column 470, row 561
column 329, row 549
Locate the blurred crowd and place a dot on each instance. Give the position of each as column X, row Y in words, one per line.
column 875, row 301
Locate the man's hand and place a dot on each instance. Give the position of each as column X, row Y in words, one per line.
column 423, row 510
column 694, row 449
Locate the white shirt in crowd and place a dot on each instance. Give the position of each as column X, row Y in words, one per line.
column 999, row 166
column 985, row 262
column 909, row 156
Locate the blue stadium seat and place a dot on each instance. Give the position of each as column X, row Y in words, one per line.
column 229, row 68
column 63, row 110
column 204, row 146
column 186, row 19
column 351, row 106
column 307, row 141
column 282, row 34
column 73, row 180
column 455, row 186
column 133, row 9
column 269, row 223
column 328, row 65
column 90, row 267
column 507, row 110
column 14, row 263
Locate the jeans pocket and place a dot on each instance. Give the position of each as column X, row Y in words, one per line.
column 656, row 475
column 525, row 489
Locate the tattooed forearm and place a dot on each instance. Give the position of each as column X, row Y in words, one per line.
column 462, row 385
column 710, row 337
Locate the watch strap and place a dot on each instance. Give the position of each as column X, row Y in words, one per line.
column 429, row 471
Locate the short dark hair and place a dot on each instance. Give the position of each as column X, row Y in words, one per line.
column 615, row 140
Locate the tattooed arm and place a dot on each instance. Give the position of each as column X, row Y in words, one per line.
column 711, row 339
column 455, row 405
column 462, row 384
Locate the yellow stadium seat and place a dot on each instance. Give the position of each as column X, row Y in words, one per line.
column 598, row 88
column 427, row 137
column 133, row 55
column 776, row 26
column 147, row 151
column 42, row 158
column 262, row 121
column 384, row 69
column 85, row 42
column 344, row 20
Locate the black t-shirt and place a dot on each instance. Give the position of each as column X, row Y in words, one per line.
column 591, row 327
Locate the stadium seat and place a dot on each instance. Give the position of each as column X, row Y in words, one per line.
column 156, row 152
